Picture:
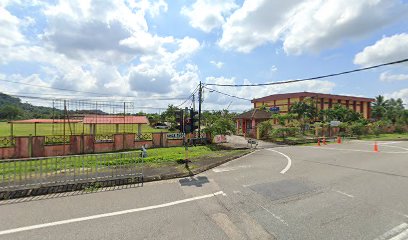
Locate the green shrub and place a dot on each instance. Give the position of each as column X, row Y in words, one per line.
column 359, row 128
column 265, row 128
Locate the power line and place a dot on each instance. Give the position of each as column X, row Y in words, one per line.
column 73, row 96
column 311, row 78
column 195, row 90
column 78, row 91
column 226, row 94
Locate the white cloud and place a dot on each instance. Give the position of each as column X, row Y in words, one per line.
column 154, row 8
column 218, row 65
column 402, row 93
column 207, row 15
column 10, row 34
column 385, row 50
column 103, row 47
column 306, row 26
column 389, row 77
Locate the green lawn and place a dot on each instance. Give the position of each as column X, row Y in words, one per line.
column 385, row 137
column 75, row 128
column 156, row 157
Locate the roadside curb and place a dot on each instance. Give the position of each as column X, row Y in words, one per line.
column 92, row 186
column 192, row 172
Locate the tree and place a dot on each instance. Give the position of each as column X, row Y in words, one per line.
column 10, row 112
column 305, row 111
column 394, row 109
column 170, row 115
column 340, row 113
column 218, row 122
column 379, row 107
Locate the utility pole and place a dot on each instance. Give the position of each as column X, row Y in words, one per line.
column 200, row 95
column 194, row 102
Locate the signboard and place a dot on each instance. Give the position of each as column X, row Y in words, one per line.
column 334, row 123
column 175, row 135
column 274, row 109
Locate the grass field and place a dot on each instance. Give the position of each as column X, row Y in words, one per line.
column 76, row 128
column 156, row 157
column 386, row 137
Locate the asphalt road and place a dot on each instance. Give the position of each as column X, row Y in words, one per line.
column 338, row 191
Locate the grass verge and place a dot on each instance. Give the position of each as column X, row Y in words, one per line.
column 386, row 137
column 91, row 163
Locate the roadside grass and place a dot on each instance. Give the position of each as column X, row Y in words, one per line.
column 76, row 128
column 85, row 164
column 386, row 137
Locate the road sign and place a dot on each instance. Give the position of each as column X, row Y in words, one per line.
column 274, row 109
column 175, row 135
column 334, row 123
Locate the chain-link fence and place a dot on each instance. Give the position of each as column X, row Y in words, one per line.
column 18, row 174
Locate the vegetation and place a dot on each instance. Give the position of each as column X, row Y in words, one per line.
column 155, row 156
column 388, row 117
column 218, row 122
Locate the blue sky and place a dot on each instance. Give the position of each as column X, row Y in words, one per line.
column 156, row 48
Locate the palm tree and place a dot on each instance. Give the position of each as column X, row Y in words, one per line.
column 379, row 107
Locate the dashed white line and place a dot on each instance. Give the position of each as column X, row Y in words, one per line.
column 345, row 194
column 111, row 214
column 286, row 156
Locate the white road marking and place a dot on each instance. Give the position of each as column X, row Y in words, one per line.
column 345, row 194
column 236, row 192
column 286, row 156
column 401, row 236
column 111, row 214
column 276, row 216
column 227, row 169
column 391, row 233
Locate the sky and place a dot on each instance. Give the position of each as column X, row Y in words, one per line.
column 145, row 50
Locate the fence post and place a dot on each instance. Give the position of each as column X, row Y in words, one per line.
column 30, row 145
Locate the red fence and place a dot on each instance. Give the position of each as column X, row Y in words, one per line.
column 41, row 146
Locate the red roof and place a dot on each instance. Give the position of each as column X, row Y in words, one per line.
column 311, row 94
column 109, row 119
column 46, row 121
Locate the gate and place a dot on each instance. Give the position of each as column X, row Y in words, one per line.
column 18, row 174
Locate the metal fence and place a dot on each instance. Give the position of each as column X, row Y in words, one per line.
column 56, row 139
column 143, row 136
column 18, row 174
column 7, row 141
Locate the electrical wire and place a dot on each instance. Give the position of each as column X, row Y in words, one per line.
column 311, row 78
column 74, row 97
column 77, row 91
column 195, row 90
column 226, row 94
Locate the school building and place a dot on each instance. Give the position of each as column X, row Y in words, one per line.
column 280, row 103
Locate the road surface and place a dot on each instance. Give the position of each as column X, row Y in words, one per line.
column 338, row 191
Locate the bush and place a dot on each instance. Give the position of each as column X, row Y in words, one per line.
column 265, row 128
column 399, row 128
column 358, row 128
column 285, row 132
